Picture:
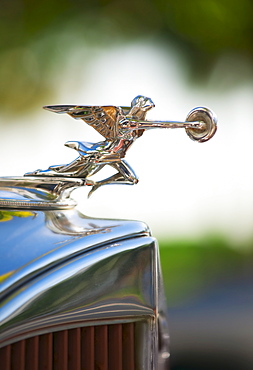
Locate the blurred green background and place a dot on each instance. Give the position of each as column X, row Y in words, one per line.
column 38, row 37
column 208, row 278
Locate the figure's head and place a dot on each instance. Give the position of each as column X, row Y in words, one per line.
column 143, row 103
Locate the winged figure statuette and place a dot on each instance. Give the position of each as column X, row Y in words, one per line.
column 120, row 126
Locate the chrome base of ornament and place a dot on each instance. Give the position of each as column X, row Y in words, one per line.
column 37, row 193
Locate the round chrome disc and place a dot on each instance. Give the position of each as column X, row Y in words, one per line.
column 208, row 126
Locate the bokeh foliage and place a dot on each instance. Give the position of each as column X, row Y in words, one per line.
column 191, row 268
column 37, row 37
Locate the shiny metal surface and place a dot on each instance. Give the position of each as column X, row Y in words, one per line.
column 120, row 126
column 37, row 193
column 62, row 270
column 33, row 241
column 207, row 130
column 113, row 283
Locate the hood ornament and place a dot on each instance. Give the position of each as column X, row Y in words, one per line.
column 120, row 126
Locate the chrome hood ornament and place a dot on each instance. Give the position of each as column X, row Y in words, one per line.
column 120, row 126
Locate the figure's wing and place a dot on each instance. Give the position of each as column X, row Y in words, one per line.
column 103, row 119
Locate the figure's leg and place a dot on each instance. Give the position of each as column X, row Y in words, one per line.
column 79, row 167
column 125, row 175
column 70, row 167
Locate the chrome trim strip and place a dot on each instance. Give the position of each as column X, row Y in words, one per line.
column 34, row 205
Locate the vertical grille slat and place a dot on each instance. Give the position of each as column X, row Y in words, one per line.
column 101, row 347
column 87, row 348
column 46, row 352
column 32, row 353
column 60, row 344
column 128, row 347
column 115, row 347
column 18, row 355
column 74, row 350
column 5, row 357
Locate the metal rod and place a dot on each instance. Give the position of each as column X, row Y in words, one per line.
column 168, row 124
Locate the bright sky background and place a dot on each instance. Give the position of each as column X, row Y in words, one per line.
column 185, row 188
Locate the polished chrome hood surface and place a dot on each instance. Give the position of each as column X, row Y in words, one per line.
column 35, row 239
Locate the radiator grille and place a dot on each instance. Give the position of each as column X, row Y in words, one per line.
column 103, row 347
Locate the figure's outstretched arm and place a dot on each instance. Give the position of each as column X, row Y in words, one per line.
column 200, row 124
column 147, row 125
